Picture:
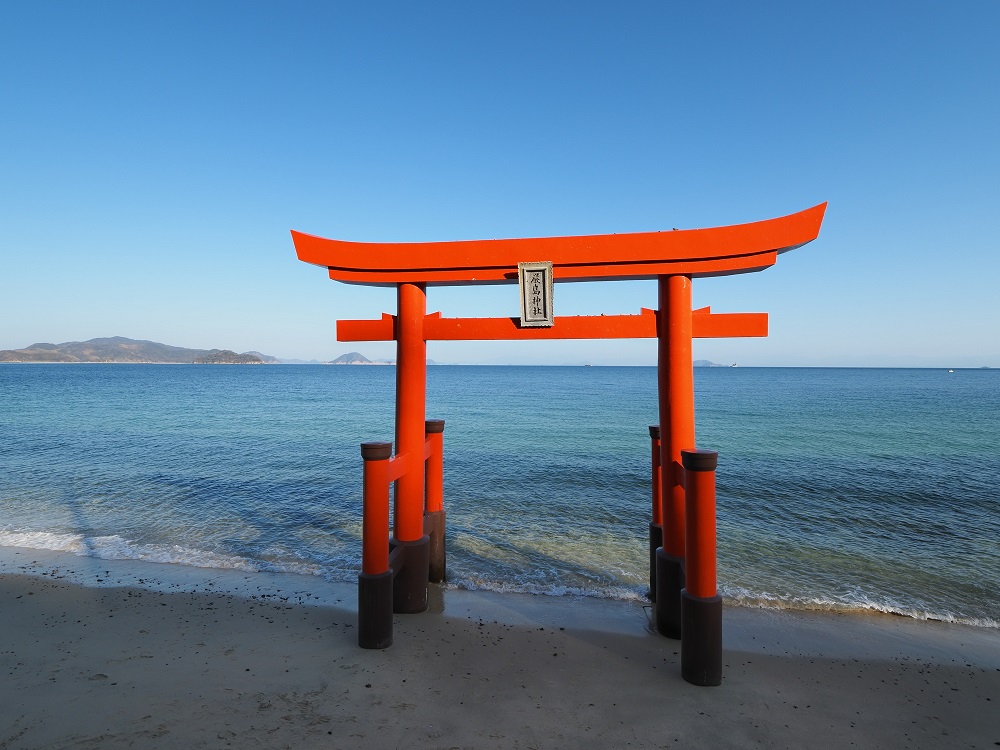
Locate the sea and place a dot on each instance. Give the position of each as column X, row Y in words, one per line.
column 838, row 489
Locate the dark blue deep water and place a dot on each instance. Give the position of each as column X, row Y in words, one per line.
column 837, row 488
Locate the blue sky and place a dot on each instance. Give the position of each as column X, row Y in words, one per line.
column 156, row 155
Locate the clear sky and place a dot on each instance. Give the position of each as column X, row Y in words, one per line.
column 155, row 156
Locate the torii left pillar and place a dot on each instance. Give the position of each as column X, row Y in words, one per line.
column 410, row 586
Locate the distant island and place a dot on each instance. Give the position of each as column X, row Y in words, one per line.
column 709, row 363
column 119, row 349
column 355, row 358
column 229, row 357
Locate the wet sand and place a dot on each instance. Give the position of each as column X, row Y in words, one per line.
column 137, row 659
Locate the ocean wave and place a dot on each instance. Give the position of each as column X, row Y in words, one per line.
column 118, row 548
column 622, row 593
column 732, row 597
column 763, row 600
column 114, row 547
column 43, row 540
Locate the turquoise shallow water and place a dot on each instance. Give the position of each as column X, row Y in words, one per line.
column 837, row 488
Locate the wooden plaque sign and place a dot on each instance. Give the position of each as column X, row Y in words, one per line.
column 535, row 280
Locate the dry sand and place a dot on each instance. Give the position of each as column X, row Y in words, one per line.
column 137, row 660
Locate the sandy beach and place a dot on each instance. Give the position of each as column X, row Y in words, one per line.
column 137, row 659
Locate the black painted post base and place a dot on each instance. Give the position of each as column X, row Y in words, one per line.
column 434, row 525
column 655, row 542
column 375, row 610
column 701, row 646
column 669, row 582
column 409, row 590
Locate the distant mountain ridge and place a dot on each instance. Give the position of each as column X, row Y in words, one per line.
column 123, row 350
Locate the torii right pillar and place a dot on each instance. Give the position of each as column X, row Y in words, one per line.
column 675, row 381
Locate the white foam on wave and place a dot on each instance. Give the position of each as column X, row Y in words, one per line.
column 118, row 548
column 741, row 597
column 42, row 540
column 621, row 593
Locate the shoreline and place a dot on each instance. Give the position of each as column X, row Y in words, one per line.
column 175, row 663
column 240, row 579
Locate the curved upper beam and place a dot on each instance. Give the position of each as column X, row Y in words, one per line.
column 693, row 252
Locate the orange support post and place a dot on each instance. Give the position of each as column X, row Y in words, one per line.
column 654, row 435
column 434, row 470
column 375, row 520
column 656, row 522
column 701, row 607
column 700, row 573
column 375, row 580
column 434, row 515
column 675, row 374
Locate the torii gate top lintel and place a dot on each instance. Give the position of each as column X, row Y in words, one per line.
column 716, row 251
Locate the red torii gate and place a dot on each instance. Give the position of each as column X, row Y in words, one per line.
column 674, row 258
